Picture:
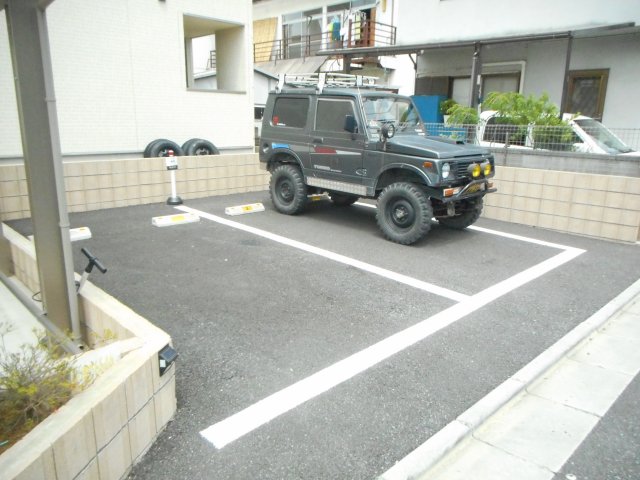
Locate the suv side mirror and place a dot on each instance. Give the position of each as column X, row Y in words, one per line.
column 388, row 130
column 350, row 124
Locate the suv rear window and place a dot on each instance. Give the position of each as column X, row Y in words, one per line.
column 290, row 112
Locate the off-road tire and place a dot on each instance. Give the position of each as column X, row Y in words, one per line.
column 198, row 146
column 161, row 147
column 147, row 149
column 343, row 199
column 287, row 189
column 470, row 211
column 404, row 213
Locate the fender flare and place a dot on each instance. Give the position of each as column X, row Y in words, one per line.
column 278, row 154
column 403, row 166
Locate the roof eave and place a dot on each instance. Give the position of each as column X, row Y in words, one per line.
column 421, row 47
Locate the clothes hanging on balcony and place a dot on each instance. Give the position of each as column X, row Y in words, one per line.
column 334, row 28
column 356, row 26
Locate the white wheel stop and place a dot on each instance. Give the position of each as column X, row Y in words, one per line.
column 242, row 209
column 177, row 219
column 75, row 234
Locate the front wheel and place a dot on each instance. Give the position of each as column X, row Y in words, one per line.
column 466, row 214
column 404, row 213
column 287, row 189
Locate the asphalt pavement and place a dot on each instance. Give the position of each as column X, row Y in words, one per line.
column 313, row 348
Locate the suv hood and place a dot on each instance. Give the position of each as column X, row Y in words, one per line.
column 431, row 147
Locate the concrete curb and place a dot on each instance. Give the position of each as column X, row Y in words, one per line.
column 425, row 457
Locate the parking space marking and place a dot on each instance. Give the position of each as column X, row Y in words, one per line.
column 236, row 426
column 258, row 414
column 367, row 267
column 511, row 236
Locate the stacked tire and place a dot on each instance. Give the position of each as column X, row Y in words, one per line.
column 194, row 146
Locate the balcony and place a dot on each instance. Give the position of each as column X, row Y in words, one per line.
column 357, row 34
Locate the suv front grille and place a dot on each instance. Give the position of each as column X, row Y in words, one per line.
column 461, row 168
column 462, row 164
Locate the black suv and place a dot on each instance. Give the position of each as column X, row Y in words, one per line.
column 340, row 136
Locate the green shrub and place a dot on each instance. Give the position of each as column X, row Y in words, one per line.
column 446, row 105
column 549, row 131
column 34, row 382
column 459, row 115
column 516, row 109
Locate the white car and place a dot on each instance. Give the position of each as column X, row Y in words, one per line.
column 586, row 136
column 594, row 137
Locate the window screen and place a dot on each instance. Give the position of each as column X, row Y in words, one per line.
column 330, row 114
column 586, row 93
column 290, row 112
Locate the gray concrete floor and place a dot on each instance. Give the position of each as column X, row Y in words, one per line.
column 251, row 316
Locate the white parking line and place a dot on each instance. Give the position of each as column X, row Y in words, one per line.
column 367, row 267
column 496, row 232
column 243, row 422
column 258, row 414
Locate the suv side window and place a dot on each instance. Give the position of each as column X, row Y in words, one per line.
column 290, row 112
column 331, row 112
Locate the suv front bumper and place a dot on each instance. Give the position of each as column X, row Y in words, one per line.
column 475, row 188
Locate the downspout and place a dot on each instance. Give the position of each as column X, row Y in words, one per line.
column 415, row 70
column 476, row 66
column 33, row 76
column 61, row 338
column 565, row 83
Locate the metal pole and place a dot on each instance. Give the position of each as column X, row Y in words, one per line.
column 476, row 66
column 346, row 67
column 29, row 44
column 565, row 83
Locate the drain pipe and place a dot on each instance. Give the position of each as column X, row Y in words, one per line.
column 65, row 342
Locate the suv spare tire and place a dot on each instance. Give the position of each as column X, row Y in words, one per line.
column 199, row 146
column 147, row 149
column 161, row 147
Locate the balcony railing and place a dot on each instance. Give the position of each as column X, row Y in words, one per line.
column 358, row 34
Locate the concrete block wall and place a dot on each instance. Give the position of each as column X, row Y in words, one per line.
column 95, row 185
column 589, row 203
column 595, row 205
column 101, row 432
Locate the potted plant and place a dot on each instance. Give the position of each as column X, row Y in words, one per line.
column 445, row 108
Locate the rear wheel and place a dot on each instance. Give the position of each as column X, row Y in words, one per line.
column 287, row 189
column 404, row 213
column 466, row 214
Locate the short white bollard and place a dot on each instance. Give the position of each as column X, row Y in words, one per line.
column 171, row 162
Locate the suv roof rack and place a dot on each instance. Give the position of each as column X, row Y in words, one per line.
column 328, row 79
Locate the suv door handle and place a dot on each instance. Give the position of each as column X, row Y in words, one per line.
column 317, row 140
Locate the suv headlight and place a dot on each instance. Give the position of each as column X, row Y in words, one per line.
column 446, row 170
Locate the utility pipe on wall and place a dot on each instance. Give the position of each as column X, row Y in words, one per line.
column 31, row 57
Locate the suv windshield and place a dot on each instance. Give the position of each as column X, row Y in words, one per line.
column 396, row 110
column 603, row 136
